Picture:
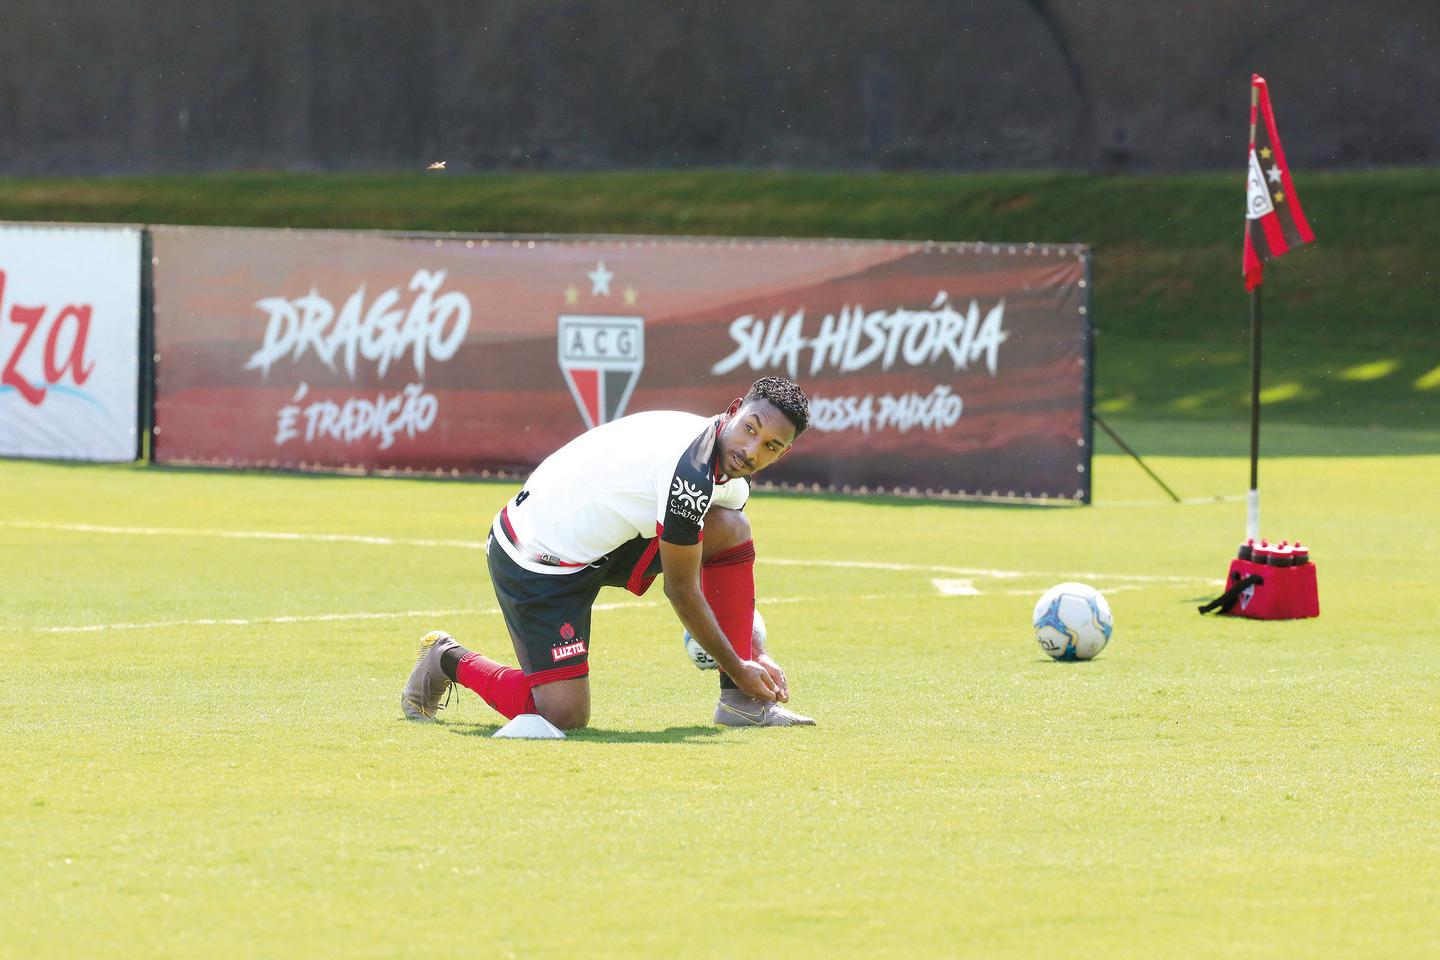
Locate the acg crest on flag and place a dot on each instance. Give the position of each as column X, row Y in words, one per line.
column 1274, row 219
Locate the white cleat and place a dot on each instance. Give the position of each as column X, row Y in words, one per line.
column 427, row 686
column 735, row 709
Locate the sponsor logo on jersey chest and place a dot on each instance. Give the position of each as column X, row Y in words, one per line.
column 688, row 500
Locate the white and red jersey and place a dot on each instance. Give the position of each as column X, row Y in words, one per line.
column 644, row 475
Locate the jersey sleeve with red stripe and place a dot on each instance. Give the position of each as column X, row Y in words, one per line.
column 685, row 493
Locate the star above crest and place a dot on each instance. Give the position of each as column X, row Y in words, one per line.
column 600, row 280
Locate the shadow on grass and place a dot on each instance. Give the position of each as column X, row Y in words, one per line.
column 690, row 734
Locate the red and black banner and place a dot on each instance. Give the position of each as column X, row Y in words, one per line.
column 940, row 369
column 1274, row 220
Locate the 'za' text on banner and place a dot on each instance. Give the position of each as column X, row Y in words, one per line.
column 69, row 342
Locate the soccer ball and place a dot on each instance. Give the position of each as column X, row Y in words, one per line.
column 1073, row 622
column 703, row 660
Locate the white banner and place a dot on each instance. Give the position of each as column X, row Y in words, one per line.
column 69, row 342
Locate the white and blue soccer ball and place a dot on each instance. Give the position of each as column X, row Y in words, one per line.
column 703, row 660
column 1073, row 621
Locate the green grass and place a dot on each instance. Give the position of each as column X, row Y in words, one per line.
column 1207, row 787
column 1350, row 320
column 1354, row 211
column 223, row 769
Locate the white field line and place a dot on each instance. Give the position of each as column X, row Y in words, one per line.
column 391, row 615
column 1109, row 588
column 312, row 618
column 490, row 611
column 480, row 545
column 961, row 572
column 242, row 534
column 980, row 571
column 243, row 622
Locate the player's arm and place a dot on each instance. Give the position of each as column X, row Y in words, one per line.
column 681, row 566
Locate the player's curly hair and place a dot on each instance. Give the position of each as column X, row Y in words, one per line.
column 785, row 396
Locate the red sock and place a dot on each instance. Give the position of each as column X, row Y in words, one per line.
column 504, row 688
column 728, row 580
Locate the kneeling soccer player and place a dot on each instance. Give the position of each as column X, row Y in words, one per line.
column 651, row 493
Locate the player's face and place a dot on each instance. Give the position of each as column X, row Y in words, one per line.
column 755, row 436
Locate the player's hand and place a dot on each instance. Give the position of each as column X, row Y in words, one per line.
column 782, row 688
column 756, row 681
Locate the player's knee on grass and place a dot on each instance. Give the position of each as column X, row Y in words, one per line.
column 724, row 528
column 565, row 703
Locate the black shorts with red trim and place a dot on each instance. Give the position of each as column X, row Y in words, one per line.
column 548, row 615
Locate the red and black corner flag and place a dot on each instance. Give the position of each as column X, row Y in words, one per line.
column 1274, row 221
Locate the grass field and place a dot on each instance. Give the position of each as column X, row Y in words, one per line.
column 200, row 741
column 202, row 752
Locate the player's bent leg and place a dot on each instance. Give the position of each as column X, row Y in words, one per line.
column 724, row 529
column 506, row 689
column 727, row 577
column 565, row 703
column 548, row 618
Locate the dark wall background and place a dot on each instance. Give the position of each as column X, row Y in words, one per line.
column 133, row 86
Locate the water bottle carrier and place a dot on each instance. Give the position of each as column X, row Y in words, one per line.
column 1263, row 592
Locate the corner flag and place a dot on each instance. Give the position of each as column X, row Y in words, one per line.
column 1274, row 220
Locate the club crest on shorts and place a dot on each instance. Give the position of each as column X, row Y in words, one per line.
column 601, row 355
column 568, row 646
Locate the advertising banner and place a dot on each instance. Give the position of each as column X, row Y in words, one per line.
column 69, row 342
column 941, row 369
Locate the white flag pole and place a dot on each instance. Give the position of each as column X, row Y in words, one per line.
column 1252, row 501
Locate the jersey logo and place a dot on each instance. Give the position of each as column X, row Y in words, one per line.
column 601, row 357
column 686, row 494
